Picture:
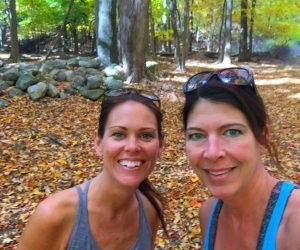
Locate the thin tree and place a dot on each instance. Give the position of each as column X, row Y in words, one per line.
column 177, row 50
column 226, row 43
column 61, row 29
column 251, row 27
column 15, row 49
column 243, row 50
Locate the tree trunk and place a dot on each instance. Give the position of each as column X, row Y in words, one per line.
column 61, row 30
column 177, row 51
column 15, row 49
column 152, row 32
column 186, row 32
column 107, row 49
column 227, row 34
column 244, row 32
column 251, row 27
column 133, row 23
column 221, row 36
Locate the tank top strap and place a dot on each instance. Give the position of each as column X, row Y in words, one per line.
column 143, row 240
column 273, row 214
column 211, row 230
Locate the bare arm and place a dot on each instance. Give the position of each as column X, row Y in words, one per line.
column 50, row 225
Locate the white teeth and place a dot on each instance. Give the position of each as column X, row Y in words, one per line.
column 219, row 172
column 130, row 164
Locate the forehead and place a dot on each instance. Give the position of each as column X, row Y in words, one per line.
column 132, row 112
column 206, row 111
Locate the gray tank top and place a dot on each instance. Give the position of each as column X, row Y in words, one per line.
column 82, row 238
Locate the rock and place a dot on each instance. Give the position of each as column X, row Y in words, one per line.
column 58, row 74
column 37, row 91
column 52, row 91
column 4, row 103
column 94, row 82
column 70, row 91
column 112, row 83
column 114, row 71
column 13, row 92
column 78, row 82
column 11, row 75
column 72, row 62
column 25, row 81
column 92, row 94
column 1, row 63
column 48, row 66
column 90, row 63
column 6, row 84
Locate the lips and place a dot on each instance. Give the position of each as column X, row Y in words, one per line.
column 130, row 164
column 219, row 172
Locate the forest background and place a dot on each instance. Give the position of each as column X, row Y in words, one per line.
column 46, row 145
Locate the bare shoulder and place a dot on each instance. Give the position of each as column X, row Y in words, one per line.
column 289, row 227
column 51, row 222
column 204, row 214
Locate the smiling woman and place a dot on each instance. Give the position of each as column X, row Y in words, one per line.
column 119, row 208
column 227, row 133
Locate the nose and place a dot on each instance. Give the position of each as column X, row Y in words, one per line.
column 132, row 145
column 213, row 149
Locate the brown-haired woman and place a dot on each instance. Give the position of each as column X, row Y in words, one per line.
column 227, row 132
column 119, row 208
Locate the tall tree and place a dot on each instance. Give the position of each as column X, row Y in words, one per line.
column 186, row 31
column 133, row 23
column 107, row 49
column 63, row 27
column 243, row 50
column 177, row 51
column 224, row 58
column 251, row 26
column 15, row 49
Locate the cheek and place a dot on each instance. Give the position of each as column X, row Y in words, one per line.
column 193, row 154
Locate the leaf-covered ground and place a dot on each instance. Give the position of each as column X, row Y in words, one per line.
column 47, row 145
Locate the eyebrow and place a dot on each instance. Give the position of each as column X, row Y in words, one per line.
column 222, row 127
column 124, row 128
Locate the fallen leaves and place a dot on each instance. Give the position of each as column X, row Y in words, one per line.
column 47, row 146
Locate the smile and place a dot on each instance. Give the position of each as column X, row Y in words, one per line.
column 217, row 173
column 130, row 164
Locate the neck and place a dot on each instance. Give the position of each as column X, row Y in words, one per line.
column 254, row 196
column 112, row 198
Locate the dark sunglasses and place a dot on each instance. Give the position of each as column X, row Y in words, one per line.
column 126, row 91
column 231, row 76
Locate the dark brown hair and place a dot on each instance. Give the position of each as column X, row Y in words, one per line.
column 241, row 97
column 108, row 104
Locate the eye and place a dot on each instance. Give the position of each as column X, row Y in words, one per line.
column 195, row 136
column 232, row 132
column 118, row 135
column 146, row 136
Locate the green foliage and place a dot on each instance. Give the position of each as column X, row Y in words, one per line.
column 46, row 16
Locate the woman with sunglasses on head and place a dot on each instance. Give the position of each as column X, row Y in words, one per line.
column 227, row 132
column 119, row 208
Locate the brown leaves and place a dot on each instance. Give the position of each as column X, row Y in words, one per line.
column 46, row 146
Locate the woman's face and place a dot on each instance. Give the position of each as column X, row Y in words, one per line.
column 130, row 145
column 221, row 148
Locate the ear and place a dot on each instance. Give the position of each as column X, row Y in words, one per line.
column 97, row 144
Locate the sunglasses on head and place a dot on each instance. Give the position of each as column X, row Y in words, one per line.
column 127, row 91
column 231, row 76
